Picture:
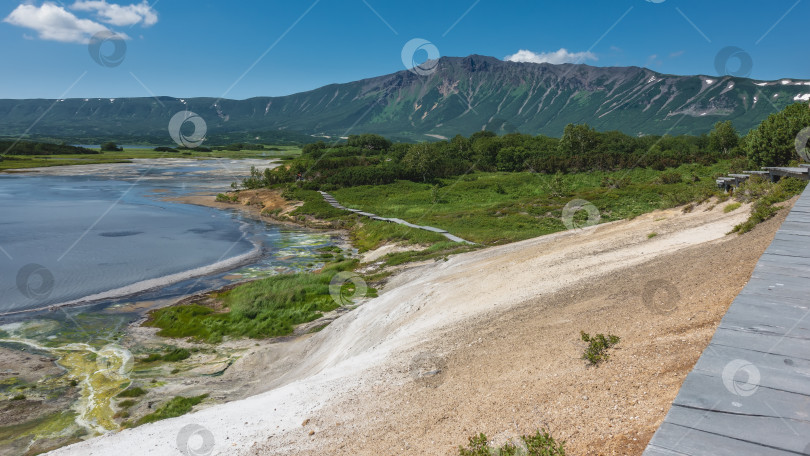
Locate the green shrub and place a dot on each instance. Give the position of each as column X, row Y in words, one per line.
column 263, row 308
column 132, row 392
column 597, row 348
column 126, row 404
column 178, row 354
column 615, row 182
column 731, row 207
column 224, row 198
column 670, row 177
column 152, row 358
column 177, row 406
column 765, row 195
column 539, row 444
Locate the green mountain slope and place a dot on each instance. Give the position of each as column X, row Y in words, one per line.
column 463, row 95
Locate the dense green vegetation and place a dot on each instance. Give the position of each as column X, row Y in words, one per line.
column 539, row 444
column 264, row 308
column 173, row 355
column 372, row 160
column 773, row 142
column 177, row 406
column 132, row 392
column 765, row 195
column 493, row 189
column 110, row 146
column 499, row 207
column 40, row 148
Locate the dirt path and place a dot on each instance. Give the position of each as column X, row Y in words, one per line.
column 498, row 329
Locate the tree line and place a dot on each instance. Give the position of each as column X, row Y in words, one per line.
column 41, row 148
column 370, row 159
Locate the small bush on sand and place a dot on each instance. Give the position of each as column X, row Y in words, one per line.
column 598, row 345
column 539, row 444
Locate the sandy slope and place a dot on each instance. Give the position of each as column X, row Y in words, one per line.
column 497, row 330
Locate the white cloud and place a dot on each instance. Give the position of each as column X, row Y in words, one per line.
column 119, row 15
column 557, row 57
column 53, row 22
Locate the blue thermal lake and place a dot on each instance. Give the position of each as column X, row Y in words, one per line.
column 104, row 233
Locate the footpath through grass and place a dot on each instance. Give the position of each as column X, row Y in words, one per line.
column 489, row 208
column 498, row 208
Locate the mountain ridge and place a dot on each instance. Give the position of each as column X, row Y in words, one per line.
column 460, row 96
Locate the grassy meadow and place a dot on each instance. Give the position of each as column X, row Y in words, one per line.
column 492, row 208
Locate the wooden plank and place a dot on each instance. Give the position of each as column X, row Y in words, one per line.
column 778, row 375
column 767, row 432
column 775, row 297
column 794, row 270
column 788, row 347
column 798, row 217
column 798, row 239
column 435, row 230
column 790, row 248
column 787, row 169
column 790, row 225
column 673, row 439
column 760, row 321
column 762, row 278
column 768, row 257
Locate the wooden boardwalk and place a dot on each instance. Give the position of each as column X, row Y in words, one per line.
column 772, row 173
column 749, row 393
column 333, row 202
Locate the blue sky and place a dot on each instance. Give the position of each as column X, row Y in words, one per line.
column 242, row 49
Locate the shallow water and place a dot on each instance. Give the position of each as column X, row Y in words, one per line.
column 104, row 232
